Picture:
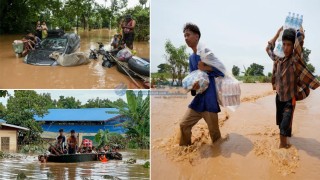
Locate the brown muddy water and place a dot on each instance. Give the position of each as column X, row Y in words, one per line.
column 249, row 147
column 15, row 74
column 29, row 165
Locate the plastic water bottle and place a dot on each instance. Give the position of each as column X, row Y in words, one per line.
column 287, row 22
column 300, row 21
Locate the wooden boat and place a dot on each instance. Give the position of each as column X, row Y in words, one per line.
column 73, row 158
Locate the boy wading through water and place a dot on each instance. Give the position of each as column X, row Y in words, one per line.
column 204, row 105
column 290, row 78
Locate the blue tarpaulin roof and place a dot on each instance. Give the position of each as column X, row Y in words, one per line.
column 85, row 114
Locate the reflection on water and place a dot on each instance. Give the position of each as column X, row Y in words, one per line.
column 30, row 166
column 15, row 74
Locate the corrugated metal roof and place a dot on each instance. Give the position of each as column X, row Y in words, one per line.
column 85, row 114
column 14, row 126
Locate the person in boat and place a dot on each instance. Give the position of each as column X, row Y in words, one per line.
column 57, row 148
column 107, row 148
column 115, row 153
column 72, row 143
column 101, row 150
column 128, row 26
column 94, row 150
column 89, row 149
column 63, row 140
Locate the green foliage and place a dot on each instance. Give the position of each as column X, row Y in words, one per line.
column 235, row 70
column 112, row 139
column 254, row 79
column 98, row 103
column 138, row 124
column 177, row 59
column 142, row 17
column 21, row 16
column 33, row 149
column 68, row 103
column 311, row 68
column 269, row 74
column 163, row 68
column 3, row 93
column 306, row 52
column 254, row 70
column 21, row 109
column 146, row 164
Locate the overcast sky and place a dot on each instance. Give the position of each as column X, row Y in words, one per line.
column 236, row 31
column 81, row 95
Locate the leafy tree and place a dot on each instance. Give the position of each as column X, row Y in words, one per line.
column 177, row 59
column 3, row 93
column 235, row 70
column 254, row 70
column 68, row 103
column 21, row 109
column 306, row 52
column 2, row 110
column 163, row 68
column 138, row 123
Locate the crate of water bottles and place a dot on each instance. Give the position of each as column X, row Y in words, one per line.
column 293, row 21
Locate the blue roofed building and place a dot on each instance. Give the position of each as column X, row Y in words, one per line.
column 85, row 120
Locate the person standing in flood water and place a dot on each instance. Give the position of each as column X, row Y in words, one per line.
column 203, row 105
column 290, row 78
column 128, row 26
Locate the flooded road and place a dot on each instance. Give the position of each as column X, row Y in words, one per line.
column 15, row 74
column 10, row 168
column 249, row 147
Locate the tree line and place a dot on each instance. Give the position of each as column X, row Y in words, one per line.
column 177, row 67
column 25, row 104
column 21, row 16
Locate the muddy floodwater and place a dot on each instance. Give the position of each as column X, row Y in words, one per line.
column 32, row 169
column 250, row 140
column 15, row 74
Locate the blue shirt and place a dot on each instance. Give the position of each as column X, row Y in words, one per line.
column 207, row 101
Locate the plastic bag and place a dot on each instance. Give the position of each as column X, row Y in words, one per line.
column 17, row 46
column 228, row 88
column 207, row 56
column 196, row 76
column 124, row 54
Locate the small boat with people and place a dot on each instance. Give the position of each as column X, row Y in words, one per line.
column 66, row 150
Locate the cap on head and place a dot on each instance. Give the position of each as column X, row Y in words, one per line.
column 60, row 130
column 289, row 35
